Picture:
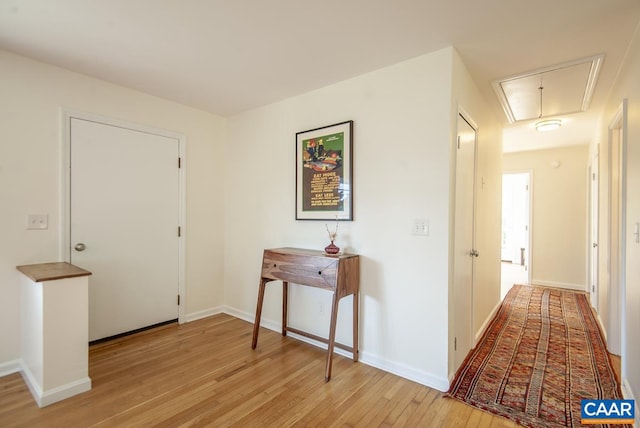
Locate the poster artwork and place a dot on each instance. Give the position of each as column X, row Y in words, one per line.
column 322, row 173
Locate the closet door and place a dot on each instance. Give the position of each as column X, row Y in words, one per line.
column 465, row 253
column 124, row 217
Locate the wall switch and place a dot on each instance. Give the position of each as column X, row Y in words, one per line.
column 37, row 221
column 420, row 227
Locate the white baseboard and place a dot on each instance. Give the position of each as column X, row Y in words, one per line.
column 45, row 398
column 421, row 377
column 418, row 376
column 10, row 367
column 485, row 324
column 204, row 314
column 65, row 391
column 627, row 393
column 602, row 329
column 249, row 317
column 568, row 286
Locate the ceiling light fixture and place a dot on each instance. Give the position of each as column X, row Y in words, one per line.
column 548, row 125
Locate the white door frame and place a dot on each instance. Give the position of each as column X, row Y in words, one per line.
column 617, row 301
column 593, row 287
column 65, row 206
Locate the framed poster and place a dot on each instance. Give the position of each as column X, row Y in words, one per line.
column 324, row 171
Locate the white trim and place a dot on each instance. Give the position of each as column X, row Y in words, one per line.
column 485, row 324
column 419, row 376
column 45, row 398
column 622, row 124
column 66, row 114
column 31, row 382
column 65, row 391
column 182, row 219
column 604, row 330
column 406, row 372
column 468, row 119
column 194, row 316
column 554, row 284
column 592, row 78
column 593, row 269
column 627, row 393
column 250, row 317
column 10, row 367
column 618, row 122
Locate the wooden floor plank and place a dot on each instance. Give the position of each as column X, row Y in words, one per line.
column 205, row 373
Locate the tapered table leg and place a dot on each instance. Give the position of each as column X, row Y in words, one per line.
column 256, row 323
column 285, row 304
column 332, row 337
column 356, row 298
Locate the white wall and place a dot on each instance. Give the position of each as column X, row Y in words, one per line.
column 402, row 148
column 30, row 171
column 560, row 216
column 240, row 192
column 627, row 86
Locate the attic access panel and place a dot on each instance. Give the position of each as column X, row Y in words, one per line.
column 567, row 88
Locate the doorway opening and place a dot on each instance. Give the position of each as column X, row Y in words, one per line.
column 516, row 230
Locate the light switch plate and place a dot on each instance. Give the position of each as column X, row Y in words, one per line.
column 421, row 227
column 37, row 221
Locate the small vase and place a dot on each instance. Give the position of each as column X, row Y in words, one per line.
column 331, row 249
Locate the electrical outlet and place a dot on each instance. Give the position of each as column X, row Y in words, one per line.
column 420, row 227
column 37, row 221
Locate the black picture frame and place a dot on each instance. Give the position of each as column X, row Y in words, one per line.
column 324, row 173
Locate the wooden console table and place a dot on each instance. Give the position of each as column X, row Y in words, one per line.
column 339, row 274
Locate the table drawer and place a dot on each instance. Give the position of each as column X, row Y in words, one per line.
column 316, row 271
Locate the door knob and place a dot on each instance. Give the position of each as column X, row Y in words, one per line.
column 80, row 246
column 474, row 253
column 595, row 245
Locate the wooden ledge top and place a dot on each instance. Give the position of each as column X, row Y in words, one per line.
column 52, row 271
column 307, row 252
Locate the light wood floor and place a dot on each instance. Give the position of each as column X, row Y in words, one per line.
column 205, row 373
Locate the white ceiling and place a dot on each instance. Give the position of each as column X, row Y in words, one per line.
column 228, row 56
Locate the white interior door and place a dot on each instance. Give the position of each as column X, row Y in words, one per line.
column 124, row 218
column 516, row 229
column 595, row 230
column 464, row 251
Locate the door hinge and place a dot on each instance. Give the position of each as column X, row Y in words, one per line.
column 458, row 142
column 178, row 300
column 593, row 176
column 179, row 163
column 179, row 231
column 455, row 343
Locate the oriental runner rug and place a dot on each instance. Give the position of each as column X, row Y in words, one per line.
column 541, row 354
